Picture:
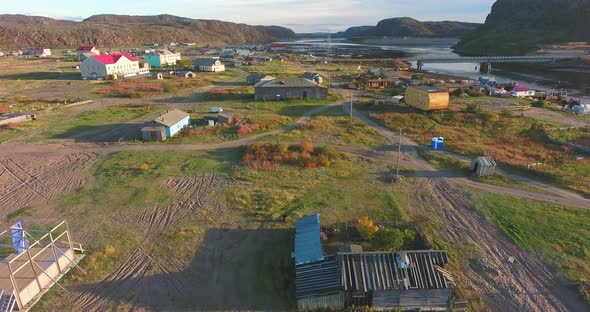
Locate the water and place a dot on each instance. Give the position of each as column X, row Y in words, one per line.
column 422, row 47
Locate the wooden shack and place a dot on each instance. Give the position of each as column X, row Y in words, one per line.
column 483, row 166
column 427, row 98
column 382, row 83
column 153, row 133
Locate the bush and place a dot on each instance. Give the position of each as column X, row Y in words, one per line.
column 268, row 155
column 391, row 239
column 366, row 228
column 541, row 104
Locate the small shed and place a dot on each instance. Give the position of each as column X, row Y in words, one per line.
column 186, row 74
column 153, row 133
column 158, row 76
column 16, row 118
column 225, row 117
column 483, row 166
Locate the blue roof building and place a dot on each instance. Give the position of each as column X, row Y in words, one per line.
column 308, row 245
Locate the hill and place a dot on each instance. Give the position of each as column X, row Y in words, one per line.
column 521, row 26
column 19, row 31
column 409, row 27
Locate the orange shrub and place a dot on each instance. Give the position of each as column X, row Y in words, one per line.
column 366, row 228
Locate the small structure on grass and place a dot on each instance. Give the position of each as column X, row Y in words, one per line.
column 427, row 98
column 382, row 83
column 315, row 77
column 483, row 166
column 406, row 280
column 208, row 65
column 36, row 263
column 158, row 76
column 255, row 78
column 225, row 117
column 185, row 74
column 17, row 118
column 165, row 126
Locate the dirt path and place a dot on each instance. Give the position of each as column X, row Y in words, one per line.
column 552, row 116
column 529, row 284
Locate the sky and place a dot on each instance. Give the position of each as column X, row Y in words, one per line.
column 299, row 15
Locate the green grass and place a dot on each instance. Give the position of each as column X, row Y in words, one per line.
column 559, row 233
column 20, row 213
column 571, row 135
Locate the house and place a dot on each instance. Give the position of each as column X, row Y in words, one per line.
column 165, row 126
column 208, row 65
column 522, row 91
column 315, row 77
column 427, row 98
column 111, row 66
column 225, row 117
column 483, row 166
column 185, row 74
column 255, row 78
column 289, row 88
column 38, row 52
column 16, row 53
column 228, row 52
column 162, row 58
column 157, row 76
column 84, row 52
column 391, row 280
column 16, row 118
column 382, row 83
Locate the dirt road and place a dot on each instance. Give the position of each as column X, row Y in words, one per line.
column 528, row 284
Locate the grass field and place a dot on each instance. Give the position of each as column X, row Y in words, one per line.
column 575, row 136
column 512, row 140
column 558, row 233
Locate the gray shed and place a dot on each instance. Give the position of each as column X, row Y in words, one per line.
column 158, row 76
column 153, row 133
column 16, row 118
column 483, row 166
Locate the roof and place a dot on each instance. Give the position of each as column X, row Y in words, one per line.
column 318, row 278
column 430, row 89
column 165, row 52
column 486, row 161
column 309, row 75
column 110, row 59
column 401, row 270
column 171, row 118
column 205, row 61
column 38, row 49
column 226, row 114
column 308, row 246
column 183, row 72
column 520, row 89
column 85, row 48
column 287, row 83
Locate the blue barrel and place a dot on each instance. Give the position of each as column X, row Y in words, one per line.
column 278, row 97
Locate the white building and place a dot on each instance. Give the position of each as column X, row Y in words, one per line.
column 162, row 58
column 117, row 65
column 520, row 91
column 209, row 65
column 39, row 52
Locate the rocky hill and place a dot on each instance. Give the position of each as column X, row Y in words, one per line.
column 521, row 26
column 19, row 31
column 409, row 27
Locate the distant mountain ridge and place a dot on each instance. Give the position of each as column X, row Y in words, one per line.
column 20, row 31
column 521, row 26
column 409, row 27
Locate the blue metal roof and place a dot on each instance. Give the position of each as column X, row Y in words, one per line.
column 308, row 245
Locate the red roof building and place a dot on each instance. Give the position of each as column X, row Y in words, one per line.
column 520, row 89
column 110, row 59
column 86, row 49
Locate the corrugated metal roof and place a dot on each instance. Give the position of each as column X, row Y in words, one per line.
column 171, row 118
column 393, row 270
column 205, row 61
column 486, row 161
column 308, row 246
column 318, row 278
column 287, row 83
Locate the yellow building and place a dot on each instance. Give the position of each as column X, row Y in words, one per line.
column 427, row 98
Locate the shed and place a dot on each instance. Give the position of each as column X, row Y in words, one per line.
column 308, row 246
column 315, row 77
column 173, row 121
column 427, row 98
column 318, row 285
column 185, row 74
column 483, row 166
column 225, row 117
column 289, row 88
column 255, row 78
column 158, row 76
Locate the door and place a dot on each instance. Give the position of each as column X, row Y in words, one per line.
column 305, row 95
column 154, row 135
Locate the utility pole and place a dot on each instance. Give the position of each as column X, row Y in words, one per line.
column 351, row 101
column 399, row 154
